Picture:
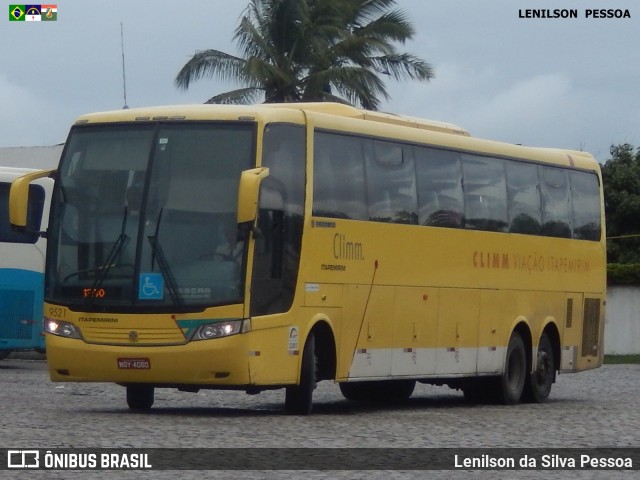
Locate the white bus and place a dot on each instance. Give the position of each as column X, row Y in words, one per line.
column 21, row 266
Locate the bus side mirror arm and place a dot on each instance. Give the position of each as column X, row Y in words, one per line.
column 19, row 197
column 248, row 193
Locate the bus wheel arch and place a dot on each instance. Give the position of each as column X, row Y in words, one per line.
column 325, row 351
column 318, row 363
column 553, row 333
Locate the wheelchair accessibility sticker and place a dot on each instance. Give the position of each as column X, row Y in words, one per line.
column 151, row 286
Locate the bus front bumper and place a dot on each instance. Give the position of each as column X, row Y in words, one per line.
column 223, row 362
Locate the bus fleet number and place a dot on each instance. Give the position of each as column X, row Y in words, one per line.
column 57, row 312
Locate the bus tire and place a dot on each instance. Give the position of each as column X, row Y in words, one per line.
column 511, row 382
column 299, row 398
column 356, row 391
column 394, row 391
column 5, row 353
column 140, row 397
column 539, row 383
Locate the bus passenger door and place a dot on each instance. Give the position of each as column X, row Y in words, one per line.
column 457, row 331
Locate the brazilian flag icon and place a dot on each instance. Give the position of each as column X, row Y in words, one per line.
column 16, row 13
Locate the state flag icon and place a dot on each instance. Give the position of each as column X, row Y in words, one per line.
column 32, row 13
column 49, row 13
column 16, row 13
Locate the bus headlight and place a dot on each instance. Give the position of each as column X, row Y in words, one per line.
column 62, row 329
column 220, row 329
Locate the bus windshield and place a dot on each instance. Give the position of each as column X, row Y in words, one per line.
column 144, row 216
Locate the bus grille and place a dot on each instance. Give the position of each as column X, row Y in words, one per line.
column 130, row 336
column 16, row 312
column 591, row 327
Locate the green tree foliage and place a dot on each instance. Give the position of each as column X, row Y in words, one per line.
column 621, row 178
column 312, row 50
column 623, row 274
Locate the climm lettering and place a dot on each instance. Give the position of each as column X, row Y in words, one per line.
column 344, row 249
column 533, row 262
column 495, row 260
column 545, row 13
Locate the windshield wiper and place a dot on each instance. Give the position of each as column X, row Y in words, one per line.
column 103, row 270
column 165, row 268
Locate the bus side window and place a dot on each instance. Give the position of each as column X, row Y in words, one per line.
column 391, row 183
column 485, row 193
column 554, row 188
column 338, row 177
column 439, row 187
column 585, row 196
column 525, row 214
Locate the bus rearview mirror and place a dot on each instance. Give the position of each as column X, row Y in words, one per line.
column 19, row 197
column 248, row 192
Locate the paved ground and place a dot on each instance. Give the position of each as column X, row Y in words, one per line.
column 598, row 408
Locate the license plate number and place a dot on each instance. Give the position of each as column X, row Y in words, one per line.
column 134, row 363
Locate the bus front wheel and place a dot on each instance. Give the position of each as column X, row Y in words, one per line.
column 511, row 382
column 299, row 398
column 140, row 397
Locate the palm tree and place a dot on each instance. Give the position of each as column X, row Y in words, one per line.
column 305, row 50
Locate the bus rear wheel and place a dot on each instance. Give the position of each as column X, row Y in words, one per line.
column 539, row 383
column 299, row 398
column 4, row 354
column 140, row 397
column 511, row 382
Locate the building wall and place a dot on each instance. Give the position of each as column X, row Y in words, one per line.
column 622, row 321
column 45, row 158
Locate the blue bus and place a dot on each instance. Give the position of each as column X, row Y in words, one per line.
column 22, row 267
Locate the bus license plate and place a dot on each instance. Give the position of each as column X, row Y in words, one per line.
column 134, row 363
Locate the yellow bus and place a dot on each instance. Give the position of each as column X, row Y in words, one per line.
column 275, row 246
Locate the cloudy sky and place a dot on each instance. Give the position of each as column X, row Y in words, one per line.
column 568, row 83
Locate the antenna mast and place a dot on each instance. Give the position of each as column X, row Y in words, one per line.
column 124, row 77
